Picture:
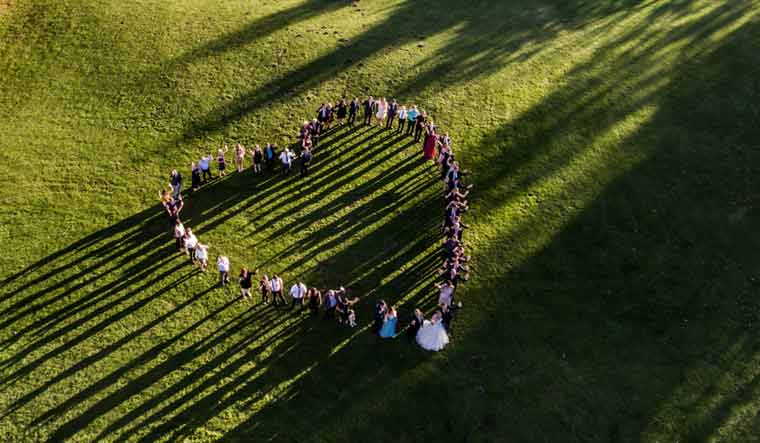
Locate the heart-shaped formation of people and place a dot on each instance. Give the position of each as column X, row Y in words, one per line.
column 431, row 334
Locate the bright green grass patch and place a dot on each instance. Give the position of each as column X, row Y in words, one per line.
column 614, row 149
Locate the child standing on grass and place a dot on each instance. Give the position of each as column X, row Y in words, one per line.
column 223, row 263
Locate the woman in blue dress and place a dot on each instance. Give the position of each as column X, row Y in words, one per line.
column 389, row 324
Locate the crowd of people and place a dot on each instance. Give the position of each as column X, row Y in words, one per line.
column 431, row 334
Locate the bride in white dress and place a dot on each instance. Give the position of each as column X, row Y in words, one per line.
column 382, row 110
column 432, row 335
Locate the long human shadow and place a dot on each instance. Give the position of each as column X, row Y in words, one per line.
column 109, row 297
column 417, row 249
column 612, row 279
column 484, row 42
column 97, row 307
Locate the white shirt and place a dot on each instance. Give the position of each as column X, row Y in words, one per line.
column 285, row 157
column 179, row 231
column 298, row 291
column 276, row 286
column 402, row 114
column 224, row 264
column 200, row 253
column 203, row 163
column 191, row 242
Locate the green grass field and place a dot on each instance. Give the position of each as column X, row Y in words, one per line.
column 615, row 150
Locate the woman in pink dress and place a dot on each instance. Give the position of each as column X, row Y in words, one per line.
column 428, row 147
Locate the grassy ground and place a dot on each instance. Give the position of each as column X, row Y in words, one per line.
column 615, row 153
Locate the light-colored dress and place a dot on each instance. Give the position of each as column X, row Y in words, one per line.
column 432, row 336
column 382, row 109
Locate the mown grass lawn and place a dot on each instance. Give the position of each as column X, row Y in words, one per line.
column 615, row 153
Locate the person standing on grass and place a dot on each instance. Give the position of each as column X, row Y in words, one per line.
column 382, row 111
column 392, row 111
column 297, row 293
column 446, row 294
column 380, row 309
column 411, row 117
column 419, row 126
column 175, row 181
column 286, row 158
column 223, row 263
column 269, row 157
column 330, row 116
column 276, row 282
column 179, row 234
column 239, row 157
column 341, row 111
column 315, row 300
column 369, row 110
column 265, row 286
column 315, row 131
column 388, row 329
column 401, row 119
column 353, row 109
column 322, row 116
column 428, row 147
column 258, row 159
column 305, row 161
column 201, row 256
column 195, row 174
column 190, row 242
column 222, row 165
column 205, row 165
column 415, row 324
column 246, row 283
column 331, row 301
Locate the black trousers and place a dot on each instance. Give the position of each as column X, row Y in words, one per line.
column 206, row 172
column 367, row 118
column 389, row 121
column 417, row 133
column 401, row 122
column 277, row 295
column 297, row 302
column 304, row 169
column 352, row 119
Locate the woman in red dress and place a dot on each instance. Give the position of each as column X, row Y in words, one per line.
column 428, row 147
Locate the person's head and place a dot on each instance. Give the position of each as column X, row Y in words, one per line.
column 403, row 108
column 243, row 270
column 417, row 312
column 329, row 105
column 393, row 100
column 174, row 172
column 189, row 231
column 370, row 97
column 192, row 165
column 356, row 99
column 448, row 283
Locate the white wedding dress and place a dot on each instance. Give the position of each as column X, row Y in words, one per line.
column 432, row 336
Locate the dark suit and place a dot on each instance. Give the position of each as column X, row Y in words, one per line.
column 369, row 109
column 392, row 112
column 353, row 108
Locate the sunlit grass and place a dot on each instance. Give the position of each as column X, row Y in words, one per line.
column 611, row 145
